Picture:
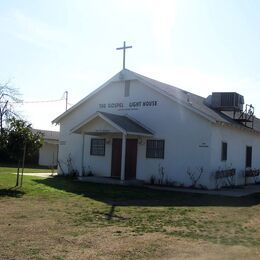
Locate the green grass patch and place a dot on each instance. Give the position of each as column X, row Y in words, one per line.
column 133, row 211
column 26, row 170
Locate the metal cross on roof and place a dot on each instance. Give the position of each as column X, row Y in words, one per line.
column 124, row 48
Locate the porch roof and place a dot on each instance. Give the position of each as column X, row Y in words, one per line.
column 122, row 124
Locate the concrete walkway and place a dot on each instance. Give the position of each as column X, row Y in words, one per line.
column 229, row 192
column 40, row 174
column 108, row 180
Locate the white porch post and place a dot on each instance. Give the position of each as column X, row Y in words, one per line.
column 122, row 177
column 82, row 155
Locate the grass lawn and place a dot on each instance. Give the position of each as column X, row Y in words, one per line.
column 26, row 170
column 58, row 218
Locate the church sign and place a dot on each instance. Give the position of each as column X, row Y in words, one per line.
column 130, row 106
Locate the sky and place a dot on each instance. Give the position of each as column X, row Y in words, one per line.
column 52, row 46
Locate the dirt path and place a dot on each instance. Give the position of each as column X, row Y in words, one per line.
column 41, row 174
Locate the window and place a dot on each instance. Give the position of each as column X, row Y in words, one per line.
column 155, row 149
column 248, row 156
column 127, row 88
column 224, row 151
column 97, row 147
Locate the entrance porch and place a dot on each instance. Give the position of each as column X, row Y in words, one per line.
column 123, row 135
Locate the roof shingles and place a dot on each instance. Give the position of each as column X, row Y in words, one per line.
column 196, row 102
column 126, row 123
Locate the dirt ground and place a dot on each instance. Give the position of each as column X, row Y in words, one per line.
column 63, row 219
column 43, row 231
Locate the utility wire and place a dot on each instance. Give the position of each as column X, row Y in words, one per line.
column 40, row 101
column 36, row 101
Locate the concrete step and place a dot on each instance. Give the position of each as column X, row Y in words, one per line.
column 109, row 180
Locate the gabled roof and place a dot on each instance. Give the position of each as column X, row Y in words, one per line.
column 123, row 124
column 197, row 103
column 187, row 99
column 48, row 134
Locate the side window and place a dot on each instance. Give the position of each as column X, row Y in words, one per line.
column 97, row 147
column 224, row 151
column 155, row 149
column 248, row 156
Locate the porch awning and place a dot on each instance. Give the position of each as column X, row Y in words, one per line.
column 102, row 123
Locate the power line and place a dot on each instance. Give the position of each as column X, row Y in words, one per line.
column 41, row 101
column 36, row 101
column 64, row 97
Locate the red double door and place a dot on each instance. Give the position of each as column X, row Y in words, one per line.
column 130, row 158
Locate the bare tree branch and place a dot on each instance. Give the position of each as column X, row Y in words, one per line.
column 8, row 94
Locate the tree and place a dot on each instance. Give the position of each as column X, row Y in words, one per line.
column 22, row 143
column 3, row 146
column 8, row 95
column 20, row 135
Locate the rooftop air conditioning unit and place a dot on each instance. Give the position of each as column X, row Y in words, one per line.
column 227, row 101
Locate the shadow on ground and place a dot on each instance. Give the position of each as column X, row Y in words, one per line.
column 12, row 192
column 141, row 196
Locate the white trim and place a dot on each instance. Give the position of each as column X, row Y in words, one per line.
column 164, row 93
column 237, row 126
column 75, row 128
column 136, row 76
column 120, row 129
column 112, row 123
column 139, row 134
column 142, row 125
column 146, row 83
column 82, row 155
column 123, row 154
column 57, row 119
column 97, row 114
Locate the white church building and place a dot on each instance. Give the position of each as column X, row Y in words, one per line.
column 136, row 128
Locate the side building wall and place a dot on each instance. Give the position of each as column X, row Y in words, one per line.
column 48, row 154
column 237, row 140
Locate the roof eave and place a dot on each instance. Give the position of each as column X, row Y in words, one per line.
column 189, row 107
column 243, row 128
column 140, row 134
column 97, row 114
column 64, row 114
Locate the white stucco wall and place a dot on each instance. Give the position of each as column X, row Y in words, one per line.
column 48, row 154
column 237, row 141
column 192, row 143
column 186, row 134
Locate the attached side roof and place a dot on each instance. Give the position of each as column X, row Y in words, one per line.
column 123, row 124
column 127, row 124
column 187, row 99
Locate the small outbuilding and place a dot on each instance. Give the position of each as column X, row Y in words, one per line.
column 48, row 153
column 134, row 127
